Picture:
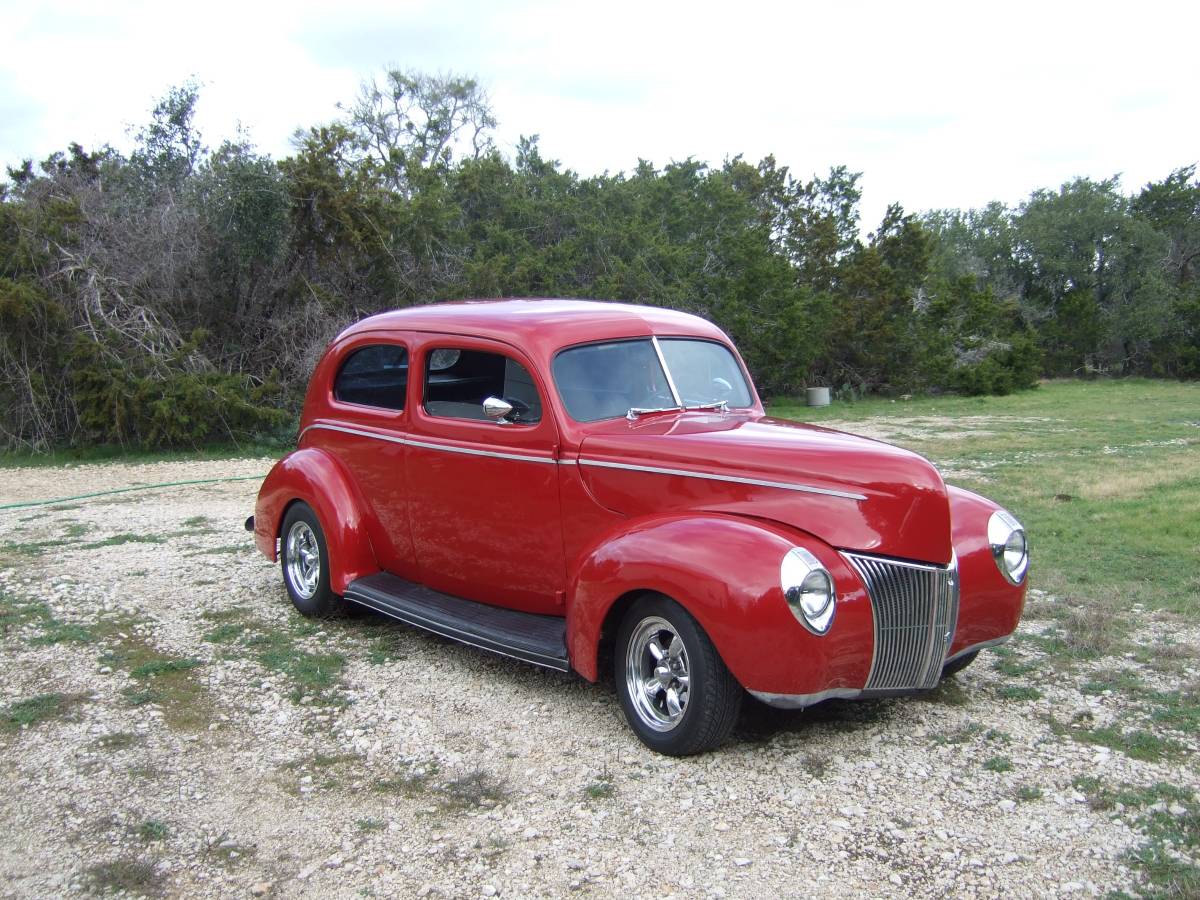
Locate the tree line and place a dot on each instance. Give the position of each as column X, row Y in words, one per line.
column 177, row 295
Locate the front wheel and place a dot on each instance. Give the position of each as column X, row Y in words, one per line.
column 959, row 664
column 674, row 688
column 305, row 562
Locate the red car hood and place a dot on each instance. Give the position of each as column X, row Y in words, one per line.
column 852, row 492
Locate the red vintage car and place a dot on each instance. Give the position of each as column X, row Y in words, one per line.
column 595, row 487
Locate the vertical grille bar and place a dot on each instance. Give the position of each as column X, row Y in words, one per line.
column 915, row 608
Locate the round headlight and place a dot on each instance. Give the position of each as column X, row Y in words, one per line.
column 808, row 589
column 1006, row 538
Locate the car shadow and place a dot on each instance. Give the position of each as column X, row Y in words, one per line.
column 760, row 724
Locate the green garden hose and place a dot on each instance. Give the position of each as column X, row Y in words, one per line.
column 125, row 490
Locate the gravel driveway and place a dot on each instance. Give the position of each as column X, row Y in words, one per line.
column 171, row 727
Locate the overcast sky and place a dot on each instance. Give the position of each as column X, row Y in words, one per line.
column 938, row 105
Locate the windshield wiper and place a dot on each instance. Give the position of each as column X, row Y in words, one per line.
column 636, row 412
column 721, row 405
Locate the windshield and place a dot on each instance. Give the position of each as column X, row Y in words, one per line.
column 604, row 381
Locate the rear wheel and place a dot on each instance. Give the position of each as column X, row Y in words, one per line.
column 305, row 562
column 674, row 688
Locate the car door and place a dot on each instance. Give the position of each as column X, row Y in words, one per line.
column 365, row 430
column 484, row 505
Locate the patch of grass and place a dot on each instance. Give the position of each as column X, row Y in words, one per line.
column 225, row 633
column 1093, row 631
column 1119, row 681
column 155, row 668
column 163, row 679
column 600, row 789
column 132, row 876
column 371, row 824
column 77, row 529
column 24, row 713
column 202, row 522
column 1103, row 797
column 135, row 696
column 314, row 674
column 998, row 764
column 1013, row 667
column 1134, row 742
column 56, row 632
column 386, row 645
column 1179, row 710
column 959, row 735
column 16, row 551
column 222, row 550
column 1168, row 816
column 118, row 540
column 16, row 613
column 1027, row 793
column 153, row 830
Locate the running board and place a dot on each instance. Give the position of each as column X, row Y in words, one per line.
column 540, row 640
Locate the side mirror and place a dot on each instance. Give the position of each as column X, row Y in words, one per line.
column 497, row 410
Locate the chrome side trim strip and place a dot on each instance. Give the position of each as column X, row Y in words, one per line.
column 982, row 645
column 411, row 442
column 520, row 457
column 800, row 701
column 345, row 429
column 470, row 451
column 711, row 476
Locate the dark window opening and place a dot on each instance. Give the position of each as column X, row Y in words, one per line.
column 457, row 390
column 374, row 376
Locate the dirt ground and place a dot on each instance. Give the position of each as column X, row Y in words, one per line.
column 170, row 727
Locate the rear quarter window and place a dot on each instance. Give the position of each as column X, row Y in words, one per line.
column 376, row 375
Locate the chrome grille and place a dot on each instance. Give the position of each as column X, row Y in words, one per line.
column 915, row 608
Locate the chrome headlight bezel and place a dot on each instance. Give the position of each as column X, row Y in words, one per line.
column 808, row 589
column 1010, row 549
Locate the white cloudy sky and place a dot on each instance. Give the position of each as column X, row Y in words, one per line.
column 939, row 104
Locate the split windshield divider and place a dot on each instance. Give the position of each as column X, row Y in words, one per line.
column 636, row 411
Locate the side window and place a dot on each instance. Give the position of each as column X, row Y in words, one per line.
column 458, row 381
column 374, row 376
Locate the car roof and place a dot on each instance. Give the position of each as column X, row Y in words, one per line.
column 540, row 324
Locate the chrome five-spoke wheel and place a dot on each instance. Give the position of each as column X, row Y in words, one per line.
column 657, row 674
column 306, row 563
column 303, row 559
column 675, row 691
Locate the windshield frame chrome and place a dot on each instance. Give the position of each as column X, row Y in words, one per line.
column 662, row 361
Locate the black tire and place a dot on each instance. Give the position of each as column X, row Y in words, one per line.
column 713, row 696
column 959, row 664
column 310, row 595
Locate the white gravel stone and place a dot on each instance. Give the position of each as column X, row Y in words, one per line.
column 339, row 793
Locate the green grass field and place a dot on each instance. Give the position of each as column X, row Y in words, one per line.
column 1104, row 475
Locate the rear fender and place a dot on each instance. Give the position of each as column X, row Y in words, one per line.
column 317, row 478
column 725, row 571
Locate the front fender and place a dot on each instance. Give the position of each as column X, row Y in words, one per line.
column 989, row 607
column 724, row 570
column 317, row 478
